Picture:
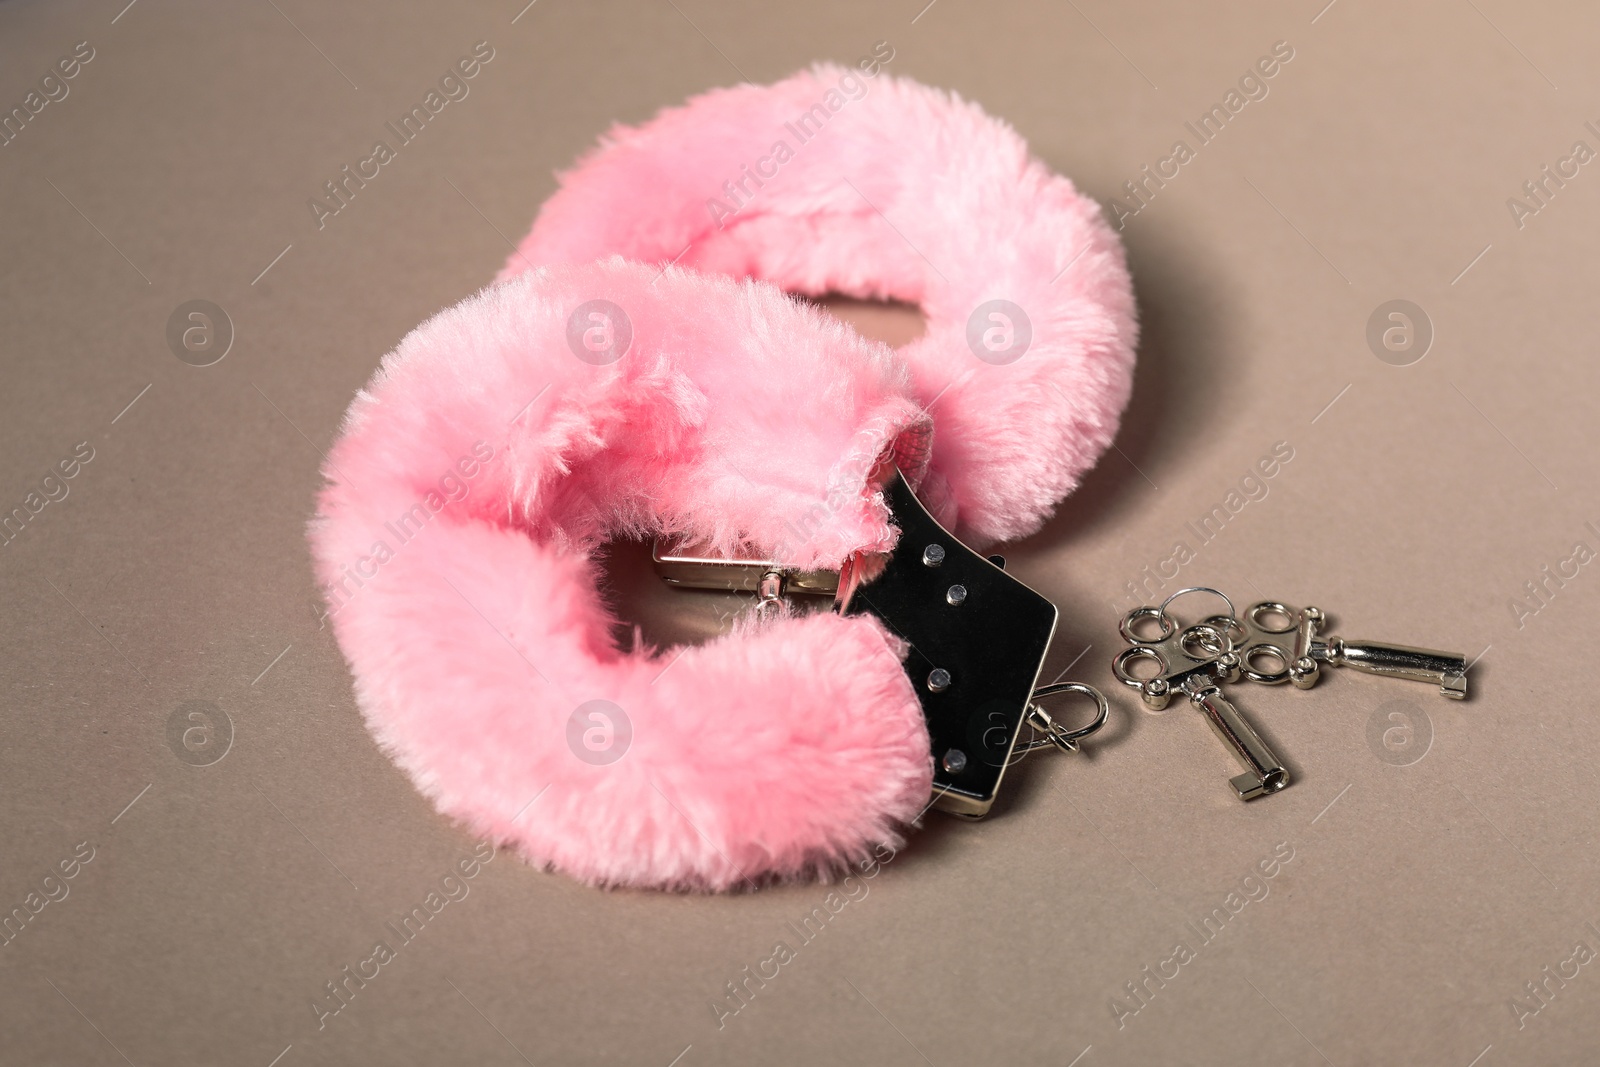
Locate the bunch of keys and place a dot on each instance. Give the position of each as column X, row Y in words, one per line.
column 1271, row 644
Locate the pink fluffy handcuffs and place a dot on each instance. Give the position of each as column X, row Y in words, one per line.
column 639, row 370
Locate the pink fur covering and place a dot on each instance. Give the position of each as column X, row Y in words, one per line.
column 475, row 477
column 878, row 187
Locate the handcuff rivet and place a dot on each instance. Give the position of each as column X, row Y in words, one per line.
column 955, row 595
column 955, row 761
column 933, row 555
column 938, row 680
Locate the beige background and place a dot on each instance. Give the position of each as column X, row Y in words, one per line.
column 1420, row 898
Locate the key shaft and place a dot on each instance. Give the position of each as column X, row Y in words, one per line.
column 1447, row 670
column 1263, row 773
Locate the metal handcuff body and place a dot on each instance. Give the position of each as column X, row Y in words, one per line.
column 976, row 639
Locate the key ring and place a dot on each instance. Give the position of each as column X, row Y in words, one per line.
column 1055, row 733
column 1169, row 625
column 1232, row 613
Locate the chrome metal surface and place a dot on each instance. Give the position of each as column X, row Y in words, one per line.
column 772, row 587
column 1198, row 589
column 1446, row 669
column 694, row 566
column 1273, row 641
column 1055, row 733
column 1299, row 649
column 1202, row 650
column 1263, row 772
column 1195, row 661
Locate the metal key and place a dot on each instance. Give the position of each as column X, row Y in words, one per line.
column 1196, row 661
column 1278, row 644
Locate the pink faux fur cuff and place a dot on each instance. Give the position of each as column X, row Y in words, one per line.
column 878, row 187
column 509, row 437
column 590, row 398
